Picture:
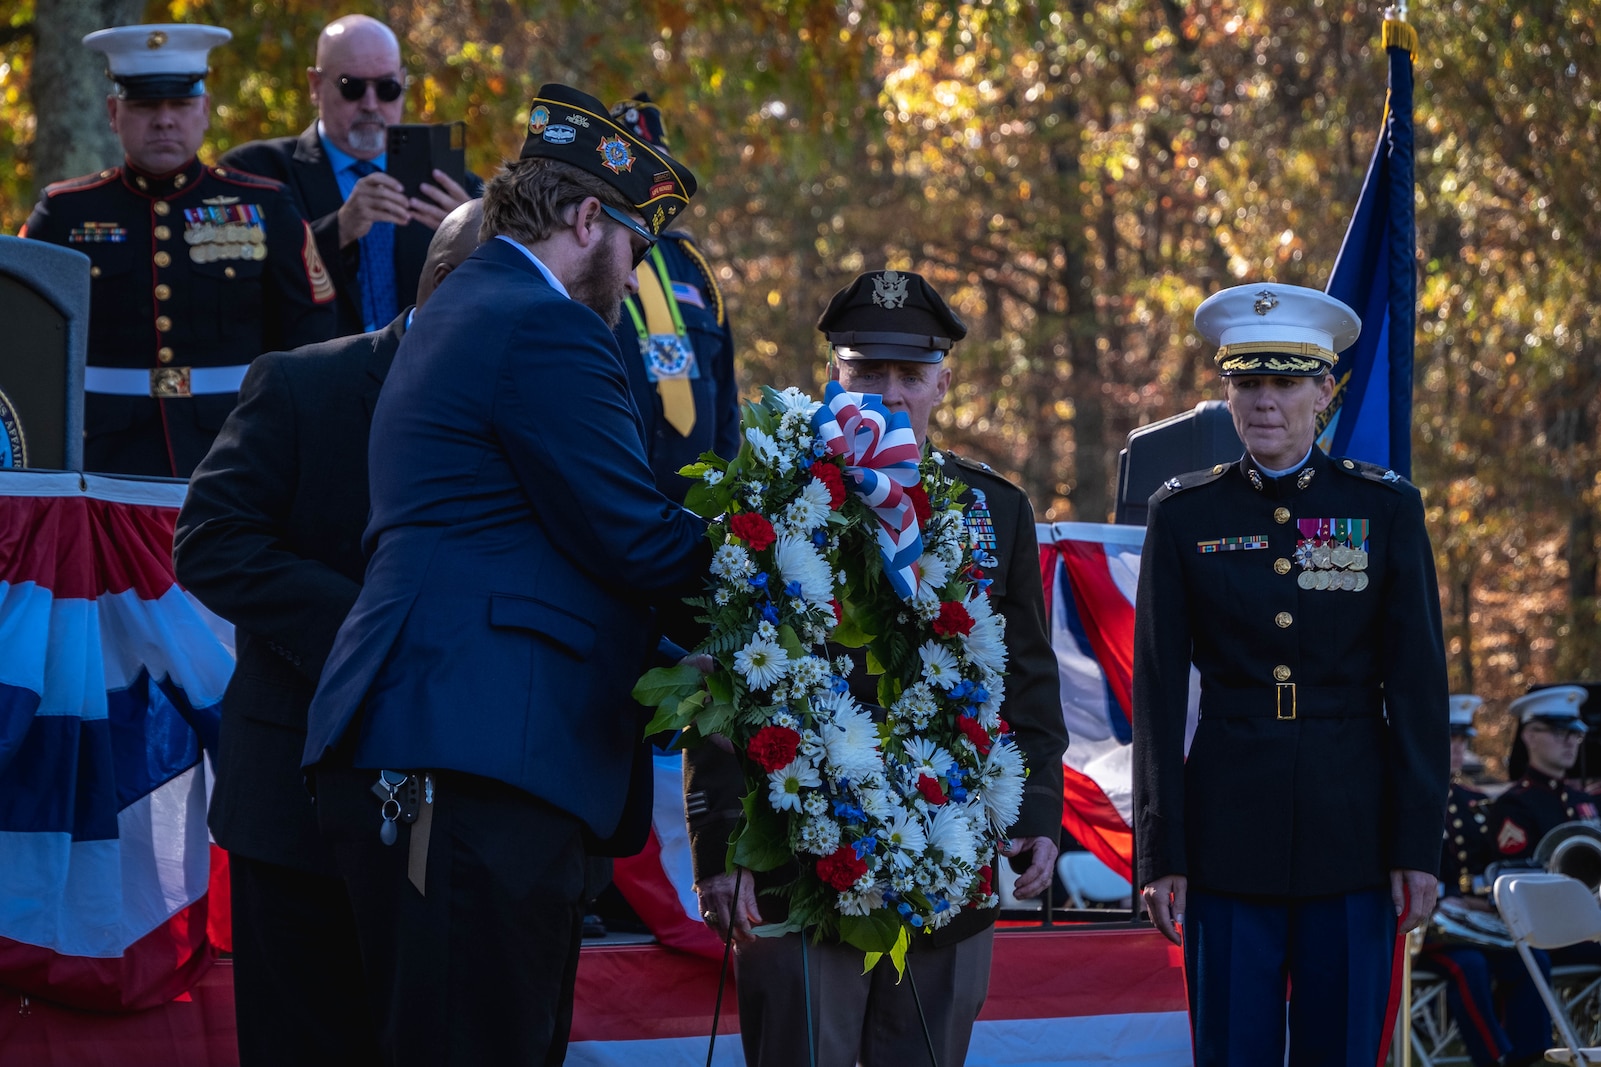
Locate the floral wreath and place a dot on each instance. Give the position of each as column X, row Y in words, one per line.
column 888, row 815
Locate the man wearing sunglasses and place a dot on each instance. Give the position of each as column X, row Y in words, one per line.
column 515, row 548
column 373, row 237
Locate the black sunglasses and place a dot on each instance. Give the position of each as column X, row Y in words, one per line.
column 353, row 88
column 640, row 231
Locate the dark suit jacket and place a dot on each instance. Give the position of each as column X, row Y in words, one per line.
column 517, row 543
column 270, row 539
column 301, row 164
column 1355, row 784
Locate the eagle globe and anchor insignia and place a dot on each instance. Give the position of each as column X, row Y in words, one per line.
column 13, row 446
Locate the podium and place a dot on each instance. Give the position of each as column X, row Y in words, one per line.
column 44, row 316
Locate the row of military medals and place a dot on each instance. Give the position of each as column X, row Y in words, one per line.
column 1332, row 554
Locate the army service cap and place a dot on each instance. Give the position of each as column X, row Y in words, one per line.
column 1285, row 330
column 643, row 118
column 1463, row 705
column 890, row 314
column 576, row 129
column 165, row 61
column 1557, row 705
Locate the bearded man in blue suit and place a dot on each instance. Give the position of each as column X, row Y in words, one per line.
column 472, row 734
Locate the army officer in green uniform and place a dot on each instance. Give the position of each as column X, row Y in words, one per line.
column 194, row 270
column 1304, row 826
column 890, row 333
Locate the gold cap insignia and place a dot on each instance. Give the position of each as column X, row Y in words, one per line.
column 156, row 39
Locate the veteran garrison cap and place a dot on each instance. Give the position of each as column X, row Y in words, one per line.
column 1463, row 705
column 1557, row 705
column 643, row 118
column 890, row 314
column 166, row 61
column 575, row 128
column 1265, row 328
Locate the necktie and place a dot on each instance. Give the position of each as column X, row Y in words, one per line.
column 376, row 276
column 678, row 399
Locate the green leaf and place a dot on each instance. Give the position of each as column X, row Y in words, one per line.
column 673, row 715
column 791, row 642
column 762, row 842
column 720, row 684
column 660, row 684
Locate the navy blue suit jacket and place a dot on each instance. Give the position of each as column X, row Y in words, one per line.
column 517, row 542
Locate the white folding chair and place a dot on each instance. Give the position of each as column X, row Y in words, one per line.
column 1549, row 911
column 1089, row 881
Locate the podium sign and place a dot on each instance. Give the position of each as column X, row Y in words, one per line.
column 44, row 335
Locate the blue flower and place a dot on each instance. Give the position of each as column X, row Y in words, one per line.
column 819, row 538
column 980, row 695
column 865, row 846
column 792, row 589
column 954, row 774
column 906, row 909
column 984, row 583
column 837, row 684
column 941, row 904
column 818, row 448
column 958, row 794
column 758, row 582
column 961, row 689
column 849, row 812
column 917, row 920
column 770, row 613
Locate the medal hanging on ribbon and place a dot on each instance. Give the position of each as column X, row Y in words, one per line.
column 664, row 343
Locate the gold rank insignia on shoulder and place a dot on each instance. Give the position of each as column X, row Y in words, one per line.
column 1246, row 543
column 1333, row 554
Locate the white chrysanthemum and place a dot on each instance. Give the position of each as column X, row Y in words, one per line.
column 851, row 741
column 877, row 804
column 809, row 671
column 798, row 561
column 933, row 573
column 951, row 834
column 815, row 804
column 763, row 663
column 861, row 901
column 939, row 665
column 784, row 786
column 819, row 836
column 923, row 755
column 763, row 447
column 905, row 838
column 985, row 643
column 721, row 598
column 810, row 509
column 712, row 476
column 796, row 400
column 1002, row 780
column 732, row 561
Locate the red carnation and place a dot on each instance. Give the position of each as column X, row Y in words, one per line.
column 930, row 788
column 925, row 510
column 753, row 529
column 986, row 878
column 839, row 610
column 830, row 475
column 773, row 747
column 953, row 619
column 1003, row 727
column 975, row 733
column 843, row 869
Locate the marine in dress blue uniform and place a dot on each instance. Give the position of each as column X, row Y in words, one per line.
column 1515, row 1027
column 517, row 544
column 679, row 350
column 1302, row 589
column 194, row 270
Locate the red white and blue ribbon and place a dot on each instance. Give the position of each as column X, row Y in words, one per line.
column 881, row 455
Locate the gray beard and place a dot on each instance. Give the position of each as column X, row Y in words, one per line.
column 367, row 139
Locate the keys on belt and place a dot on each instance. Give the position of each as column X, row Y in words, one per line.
column 407, row 798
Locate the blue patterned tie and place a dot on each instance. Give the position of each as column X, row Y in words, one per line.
column 377, row 273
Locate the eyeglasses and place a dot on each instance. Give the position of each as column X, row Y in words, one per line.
column 353, row 88
column 639, row 231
